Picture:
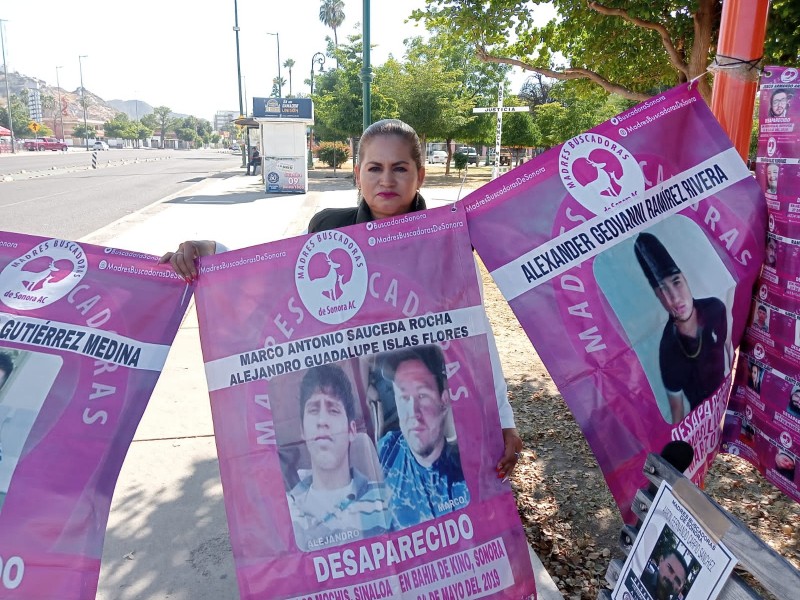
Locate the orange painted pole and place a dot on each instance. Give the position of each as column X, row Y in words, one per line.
column 741, row 37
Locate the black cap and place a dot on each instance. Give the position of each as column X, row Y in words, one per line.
column 654, row 259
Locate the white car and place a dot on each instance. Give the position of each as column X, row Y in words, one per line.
column 438, row 157
column 100, row 145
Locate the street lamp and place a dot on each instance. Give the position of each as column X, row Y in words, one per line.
column 60, row 108
column 366, row 70
column 280, row 83
column 318, row 58
column 8, row 94
column 239, row 79
column 83, row 101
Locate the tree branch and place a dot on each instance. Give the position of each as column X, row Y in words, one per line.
column 672, row 52
column 564, row 75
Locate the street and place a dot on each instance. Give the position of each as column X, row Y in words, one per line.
column 58, row 194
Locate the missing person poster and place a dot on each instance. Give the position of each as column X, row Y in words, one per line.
column 84, row 333
column 355, row 416
column 763, row 420
column 673, row 556
column 628, row 254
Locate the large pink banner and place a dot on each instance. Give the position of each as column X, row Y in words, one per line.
column 763, row 421
column 355, row 416
column 84, row 333
column 628, row 254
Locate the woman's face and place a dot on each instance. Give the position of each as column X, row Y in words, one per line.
column 388, row 176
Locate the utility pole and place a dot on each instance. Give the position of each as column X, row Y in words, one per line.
column 239, row 78
column 8, row 94
column 60, row 108
column 83, row 101
column 366, row 72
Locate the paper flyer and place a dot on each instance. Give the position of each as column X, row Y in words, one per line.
column 84, row 333
column 628, row 255
column 763, row 420
column 673, row 556
column 355, row 417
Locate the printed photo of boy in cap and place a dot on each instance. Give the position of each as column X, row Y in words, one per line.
column 693, row 352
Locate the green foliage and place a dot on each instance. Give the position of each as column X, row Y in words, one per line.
column 19, row 116
column 82, row 132
column 460, row 161
column 614, row 50
column 331, row 14
column 162, row 120
column 782, row 43
column 333, row 153
column 337, row 96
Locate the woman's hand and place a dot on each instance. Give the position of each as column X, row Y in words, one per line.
column 513, row 446
column 183, row 259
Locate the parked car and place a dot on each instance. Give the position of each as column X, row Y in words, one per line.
column 99, row 145
column 236, row 148
column 438, row 157
column 472, row 154
column 44, row 143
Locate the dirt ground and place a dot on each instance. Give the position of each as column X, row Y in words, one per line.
column 565, row 506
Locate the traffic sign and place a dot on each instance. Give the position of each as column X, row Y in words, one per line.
column 497, row 109
column 34, row 126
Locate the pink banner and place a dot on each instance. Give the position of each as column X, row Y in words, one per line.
column 628, row 255
column 763, row 421
column 84, row 333
column 355, row 416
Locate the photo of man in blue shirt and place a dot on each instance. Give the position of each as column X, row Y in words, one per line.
column 421, row 466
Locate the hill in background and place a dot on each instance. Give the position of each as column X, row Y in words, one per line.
column 97, row 109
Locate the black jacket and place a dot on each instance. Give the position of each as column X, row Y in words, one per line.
column 333, row 218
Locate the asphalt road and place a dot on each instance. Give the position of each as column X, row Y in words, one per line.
column 58, row 194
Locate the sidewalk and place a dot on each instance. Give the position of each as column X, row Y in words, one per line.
column 167, row 535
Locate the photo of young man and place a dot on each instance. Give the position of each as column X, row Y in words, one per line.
column 779, row 103
column 794, row 402
column 333, row 503
column 421, row 466
column 693, row 352
column 761, row 318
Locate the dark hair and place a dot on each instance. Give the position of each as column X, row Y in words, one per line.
column 6, row 365
column 392, row 127
column 328, row 379
column 679, row 556
column 761, row 307
column 777, row 91
column 431, row 356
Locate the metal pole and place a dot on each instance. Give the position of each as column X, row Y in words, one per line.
column 83, row 101
column 239, row 75
column 366, row 72
column 8, row 94
column 741, row 35
column 60, row 108
column 278, row 40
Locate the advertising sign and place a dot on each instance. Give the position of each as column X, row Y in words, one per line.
column 285, row 174
column 283, row 108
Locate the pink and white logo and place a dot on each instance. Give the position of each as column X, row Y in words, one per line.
column 599, row 172
column 772, row 146
column 763, row 291
column 771, row 222
column 331, row 277
column 43, row 275
column 789, row 75
column 786, row 439
column 758, row 351
column 748, row 412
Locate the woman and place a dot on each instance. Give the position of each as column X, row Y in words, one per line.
column 389, row 173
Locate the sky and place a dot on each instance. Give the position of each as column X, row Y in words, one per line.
column 182, row 53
